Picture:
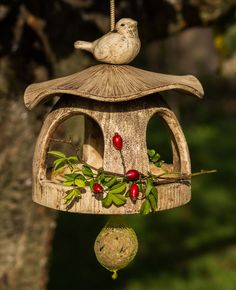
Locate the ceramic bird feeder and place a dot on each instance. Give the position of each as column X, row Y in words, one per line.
column 119, row 99
column 115, row 173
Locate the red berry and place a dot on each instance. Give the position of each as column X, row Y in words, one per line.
column 134, row 191
column 97, row 188
column 117, row 141
column 132, row 174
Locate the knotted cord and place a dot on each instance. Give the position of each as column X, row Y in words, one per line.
column 113, row 14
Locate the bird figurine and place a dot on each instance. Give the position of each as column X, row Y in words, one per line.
column 120, row 46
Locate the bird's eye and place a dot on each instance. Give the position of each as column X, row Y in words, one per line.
column 122, row 24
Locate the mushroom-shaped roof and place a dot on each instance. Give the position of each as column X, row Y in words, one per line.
column 111, row 83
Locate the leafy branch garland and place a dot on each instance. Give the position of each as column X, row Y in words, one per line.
column 113, row 188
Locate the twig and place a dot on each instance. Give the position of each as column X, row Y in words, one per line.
column 164, row 179
column 184, row 176
column 203, row 172
column 123, row 162
column 76, row 149
column 163, row 182
column 70, row 142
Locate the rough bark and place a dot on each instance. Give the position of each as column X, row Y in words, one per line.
column 25, row 228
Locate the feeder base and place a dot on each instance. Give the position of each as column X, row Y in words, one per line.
column 51, row 195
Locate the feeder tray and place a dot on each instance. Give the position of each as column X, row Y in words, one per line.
column 119, row 98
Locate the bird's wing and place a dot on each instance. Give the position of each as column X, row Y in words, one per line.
column 106, row 46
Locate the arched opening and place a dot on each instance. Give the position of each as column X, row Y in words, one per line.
column 159, row 139
column 81, row 136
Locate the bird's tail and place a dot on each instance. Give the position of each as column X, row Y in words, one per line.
column 84, row 45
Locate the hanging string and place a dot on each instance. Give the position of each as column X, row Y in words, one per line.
column 113, row 14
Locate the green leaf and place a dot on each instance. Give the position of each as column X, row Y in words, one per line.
column 71, row 176
column 91, row 183
column 140, row 187
column 58, row 167
column 118, row 199
column 59, row 160
column 78, row 192
column 58, row 163
column 74, row 193
column 79, row 183
column 69, row 200
column 159, row 163
column 151, row 152
column 118, row 188
column 87, row 171
column 80, row 176
column 155, row 158
column 111, row 182
column 149, row 186
column 68, row 182
column 69, row 164
column 145, row 208
column 69, row 195
column 57, row 154
column 154, row 192
column 58, row 170
column 117, row 185
column 73, row 158
column 101, row 178
column 153, row 202
column 107, row 201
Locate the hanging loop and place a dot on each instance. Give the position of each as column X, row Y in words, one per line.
column 113, row 14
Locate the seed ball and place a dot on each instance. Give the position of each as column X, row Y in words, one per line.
column 116, row 246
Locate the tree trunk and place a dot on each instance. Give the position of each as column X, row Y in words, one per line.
column 26, row 229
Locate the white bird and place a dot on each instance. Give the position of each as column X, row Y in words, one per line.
column 120, row 46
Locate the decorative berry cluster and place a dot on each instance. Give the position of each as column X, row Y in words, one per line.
column 112, row 188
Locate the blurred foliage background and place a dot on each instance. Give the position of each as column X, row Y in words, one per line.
column 192, row 247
